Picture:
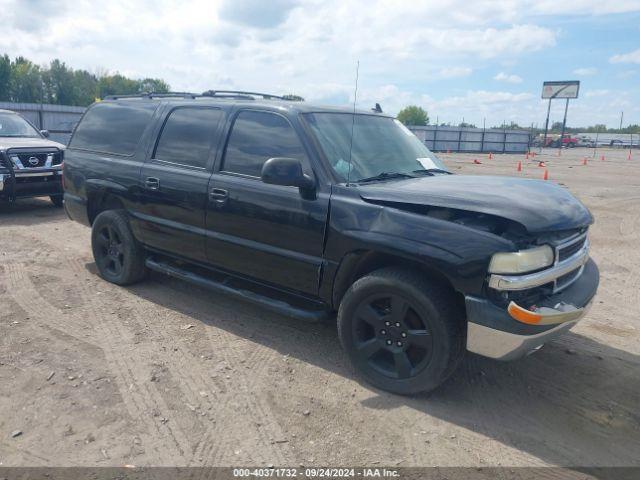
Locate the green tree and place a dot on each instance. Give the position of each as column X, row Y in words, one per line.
column 556, row 127
column 23, row 81
column 85, row 87
column 26, row 82
column 153, row 85
column 413, row 115
column 116, row 85
column 59, row 84
column 5, row 78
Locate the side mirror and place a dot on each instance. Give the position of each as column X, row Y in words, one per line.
column 44, row 133
column 288, row 172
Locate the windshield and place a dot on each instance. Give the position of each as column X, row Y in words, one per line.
column 382, row 146
column 13, row 125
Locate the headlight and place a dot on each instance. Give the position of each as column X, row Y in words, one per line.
column 522, row 261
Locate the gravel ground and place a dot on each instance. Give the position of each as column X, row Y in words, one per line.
column 163, row 373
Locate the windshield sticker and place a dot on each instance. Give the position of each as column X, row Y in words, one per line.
column 427, row 163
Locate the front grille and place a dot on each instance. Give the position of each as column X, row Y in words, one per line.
column 22, row 159
column 567, row 278
column 571, row 249
column 32, row 160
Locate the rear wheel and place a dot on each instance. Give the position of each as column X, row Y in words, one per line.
column 401, row 331
column 118, row 255
column 57, row 200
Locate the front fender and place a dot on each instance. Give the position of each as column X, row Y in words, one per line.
column 459, row 253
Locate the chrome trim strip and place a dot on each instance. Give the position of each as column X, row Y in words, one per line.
column 531, row 280
column 35, row 174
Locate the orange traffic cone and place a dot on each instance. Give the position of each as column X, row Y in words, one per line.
column 541, row 164
column 477, row 162
column 490, row 155
column 519, row 166
column 629, row 156
column 546, row 174
column 602, row 158
column 584, row 161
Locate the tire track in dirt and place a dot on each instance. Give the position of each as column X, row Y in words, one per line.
column 23, row 292
column 624, row 258
column 182, row 371
column 121, row 361
column 189, row 379
column 192, row 380
column 262, row 420
column 39, row 251
column 34, row 459
column 225, row 344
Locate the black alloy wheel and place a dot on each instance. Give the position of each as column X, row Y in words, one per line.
column 391, row 336
column 119, row 256
column 403, row 332
column 110, row 250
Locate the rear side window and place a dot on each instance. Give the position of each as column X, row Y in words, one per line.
column 113, row 127
column 188, row 135
column 257, row 137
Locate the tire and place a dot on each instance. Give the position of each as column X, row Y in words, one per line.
column 57, row 200
column 430, row 335
column 118, row 255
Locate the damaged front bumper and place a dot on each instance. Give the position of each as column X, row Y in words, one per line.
column 511, row 333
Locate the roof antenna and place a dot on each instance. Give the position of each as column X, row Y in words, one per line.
column 353, row 121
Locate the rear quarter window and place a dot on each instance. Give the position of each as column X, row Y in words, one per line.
column 113, row 127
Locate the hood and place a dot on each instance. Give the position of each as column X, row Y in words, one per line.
column 536, row 205
column 26, row 142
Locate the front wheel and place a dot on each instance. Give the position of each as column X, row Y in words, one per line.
column 118, row 255
column 402, row 332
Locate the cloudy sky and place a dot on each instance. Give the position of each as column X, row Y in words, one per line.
column 470, row 59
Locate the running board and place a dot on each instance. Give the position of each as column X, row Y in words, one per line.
column 274, row 305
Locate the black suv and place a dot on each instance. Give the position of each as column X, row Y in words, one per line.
column 30, row 164
column 312, row 210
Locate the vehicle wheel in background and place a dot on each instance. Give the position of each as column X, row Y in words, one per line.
column 57, row 200
column 403, row 332
column 118, row 255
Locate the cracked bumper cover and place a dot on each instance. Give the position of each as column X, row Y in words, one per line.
column 493, row 332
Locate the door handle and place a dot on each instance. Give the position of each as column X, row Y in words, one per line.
column 219, row 195
column 152, row 183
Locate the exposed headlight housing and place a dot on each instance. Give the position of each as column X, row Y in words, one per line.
column 523, row 261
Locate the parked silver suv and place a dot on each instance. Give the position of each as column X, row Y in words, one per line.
column 30, row 164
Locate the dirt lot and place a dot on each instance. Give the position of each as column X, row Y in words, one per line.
column 163, row 373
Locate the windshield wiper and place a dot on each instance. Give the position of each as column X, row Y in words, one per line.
column 430, row 171
column 385, row 176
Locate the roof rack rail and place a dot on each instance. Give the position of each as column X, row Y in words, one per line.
column 153, row 95
column 209, row 93
column 240, row 94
